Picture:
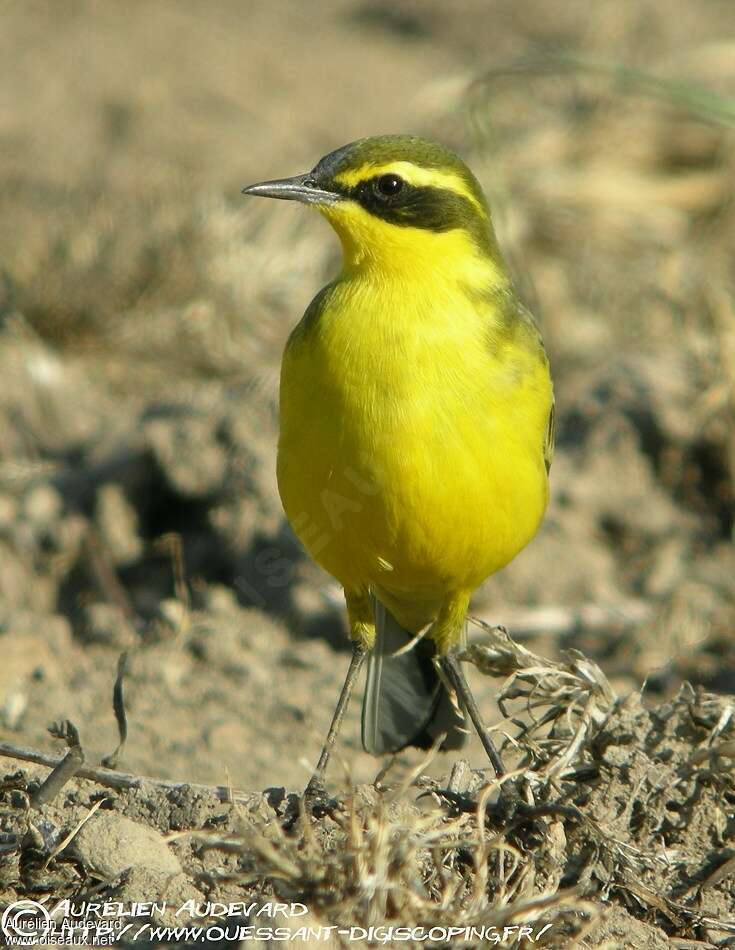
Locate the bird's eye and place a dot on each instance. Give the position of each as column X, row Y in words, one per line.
column 389, row 185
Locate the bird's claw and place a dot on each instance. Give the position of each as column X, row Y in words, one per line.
column 316, row 799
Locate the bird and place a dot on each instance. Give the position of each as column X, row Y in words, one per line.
column 416, row 428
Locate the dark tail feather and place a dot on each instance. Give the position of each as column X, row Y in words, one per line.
column 406, row 703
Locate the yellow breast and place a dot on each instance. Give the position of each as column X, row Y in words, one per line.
column 412, row 432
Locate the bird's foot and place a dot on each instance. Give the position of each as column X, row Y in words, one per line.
column 317, row 800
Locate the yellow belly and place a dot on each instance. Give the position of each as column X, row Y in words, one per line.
column 411, row 455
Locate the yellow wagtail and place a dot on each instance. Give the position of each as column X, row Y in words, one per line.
column 416, row 426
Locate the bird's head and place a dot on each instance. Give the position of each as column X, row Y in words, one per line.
column 395, row 201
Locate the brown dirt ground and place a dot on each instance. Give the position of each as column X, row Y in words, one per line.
column 143, row 307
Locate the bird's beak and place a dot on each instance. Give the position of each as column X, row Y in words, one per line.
column 299, row 188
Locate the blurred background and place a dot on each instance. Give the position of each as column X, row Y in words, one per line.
column 144, row 305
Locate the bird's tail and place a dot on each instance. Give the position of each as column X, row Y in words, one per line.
column 406, row 703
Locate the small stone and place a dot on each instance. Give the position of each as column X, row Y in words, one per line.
column 117, row 521
column 110, row 843
column 193, row 461
column 43, row 505
column 220, row 599
column 15, row 705
column 172, row 612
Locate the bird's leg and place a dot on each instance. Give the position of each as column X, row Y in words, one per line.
column 447, row 632
column 453, row 671
column 362, row 634
column 359, row 653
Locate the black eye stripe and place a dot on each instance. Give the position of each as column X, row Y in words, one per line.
column 428, row 207
column 435, row 209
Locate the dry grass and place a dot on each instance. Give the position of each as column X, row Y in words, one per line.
column 421, row 853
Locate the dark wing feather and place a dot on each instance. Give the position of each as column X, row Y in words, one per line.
column 550, row 437
column 405, row 703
